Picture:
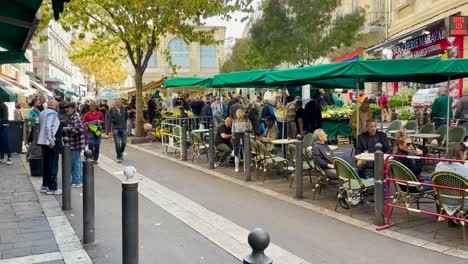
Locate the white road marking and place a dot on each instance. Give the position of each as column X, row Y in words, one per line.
column 224, row 233
column 33, row 258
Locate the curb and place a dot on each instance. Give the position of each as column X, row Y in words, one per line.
column 323, row 211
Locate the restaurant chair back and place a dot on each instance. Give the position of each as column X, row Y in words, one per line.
column 427, row 129
column 308, row 140
column 306, row 166
column 450, row 202
column 394, row 125
column 411, row 125
column 456, row 134
column 442, row 131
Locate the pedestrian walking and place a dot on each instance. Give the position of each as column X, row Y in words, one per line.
column 217, row 108
column 5, row 146
column 49, row 126
column 75, row 131
column 152, row 108
column 94, row 121
column 118, row 115
column 439, row 108
column 32, row 116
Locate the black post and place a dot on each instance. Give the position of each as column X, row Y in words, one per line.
column 379, row 182
column 299, row 167
column 88, row 198
column 66, row 175
column 183, row 141
column 211, row 151
column 247, row 157
column 130, row 217
column 259, row 240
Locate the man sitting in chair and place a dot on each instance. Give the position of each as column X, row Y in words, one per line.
column 224, row 140
column 270, row 134
column 367, row 142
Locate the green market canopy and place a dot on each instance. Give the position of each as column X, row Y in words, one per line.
column 188, row 81
column 6, row 95
column 18, row 22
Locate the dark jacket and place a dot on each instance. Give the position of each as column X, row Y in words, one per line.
column 3, row 114
column 197, row 107
column 119, row 120
column 322, row 155
column 380, row 137
column 312, row 116
column 413, row 165
column 254, row 118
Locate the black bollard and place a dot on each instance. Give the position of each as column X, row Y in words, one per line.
column 211, row 151
column 183, row 141
column 88, row 198
column 130, row 217
column 299, row 167
column 259, row 240
column 379, row 184
column 66, row 175
column 247, row 157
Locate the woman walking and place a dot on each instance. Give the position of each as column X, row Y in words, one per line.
column 32, row 116
column 240, row 125
column 93, row 120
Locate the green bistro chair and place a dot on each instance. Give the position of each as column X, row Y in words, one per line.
column 440, row 141
column 425, row 129
column 409, row 193
column 308, row 140
column 411, row 125
column 455, row 135
column 450, row 202
column 352, row 183
column 268, row 160
column 394, row 125
column 321, row 177
column 256, row 156
column 200, row 147
column 175, row 136
column 306, row 166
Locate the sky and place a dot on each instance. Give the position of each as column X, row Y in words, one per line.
column 234, row 27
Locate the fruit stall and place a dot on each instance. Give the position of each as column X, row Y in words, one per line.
column 336, row 120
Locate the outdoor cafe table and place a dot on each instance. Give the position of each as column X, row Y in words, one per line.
column 407, row 131
column 425, row 136
column 283, row 142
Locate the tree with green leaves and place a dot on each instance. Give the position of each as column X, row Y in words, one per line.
column 244, row 57
column 136, row 27
column 301, row 31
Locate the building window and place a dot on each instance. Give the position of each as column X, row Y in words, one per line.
column 153, row 61
column 180, row 52
column 208, row 56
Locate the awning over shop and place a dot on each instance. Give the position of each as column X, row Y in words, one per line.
column 66, row 93
column 6, row 95
column 16, row 87
column 41, row 89
column 189, row 82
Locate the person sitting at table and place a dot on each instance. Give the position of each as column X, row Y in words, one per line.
column 223, row 141
column 322, row 155
column 270, row 134
column 456, row 152
column 366, row 143
column 404, row 146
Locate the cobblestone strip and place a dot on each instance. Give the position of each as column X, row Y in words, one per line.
column 41, row 258
column 68, row 242
column 227, row 235
column 344, row 218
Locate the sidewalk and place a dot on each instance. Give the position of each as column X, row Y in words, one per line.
column 32, row 229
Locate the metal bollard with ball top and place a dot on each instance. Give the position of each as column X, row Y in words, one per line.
column 259, row 240
column 130, row 216
column 88, row 198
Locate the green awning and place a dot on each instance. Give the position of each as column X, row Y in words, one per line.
column 6, row 95
column 188, row 81
column 18, row 22
column 244, row 79
column 411, row 70
column 66, row 93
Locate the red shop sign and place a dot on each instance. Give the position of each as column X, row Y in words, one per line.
column 449, row 47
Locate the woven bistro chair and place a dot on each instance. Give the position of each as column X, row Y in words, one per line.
column 409, row 192
column 306, row 166
column 268, row 160
column 256, row 156
column 351, row 183
column 411, row 125
column 425, row 129
column 450, row 202
column 199, row 146
column 455, row 135
column 394, row 125
column 308, row 140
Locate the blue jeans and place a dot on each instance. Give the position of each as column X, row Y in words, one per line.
column 120, row 141
column 94, row 146
column 76, row 167
column 439, row 122
column 5, row 146
column 50, row 167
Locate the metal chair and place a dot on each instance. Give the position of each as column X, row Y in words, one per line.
column 440, row 141
column 455, row 135
column 256, row 156
column 268, row 159
column 411, row 125
column 352, row 183
column 306, row 166
column 321, row 177
column 409, row 192
column 308, row 140
column 200, row 147
column 450, row 201
column 394, row 125
column 425, row 129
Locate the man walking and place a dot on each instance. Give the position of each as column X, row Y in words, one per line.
column 49, row 125
column 75, row 132
column 118, row 116
column 5, row 146
column 439, row 108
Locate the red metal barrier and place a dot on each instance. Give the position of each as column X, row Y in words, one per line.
column 389, row 205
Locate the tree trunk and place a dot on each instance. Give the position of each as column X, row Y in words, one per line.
column 139, row 121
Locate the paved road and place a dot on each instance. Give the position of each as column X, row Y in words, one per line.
column 309, row 235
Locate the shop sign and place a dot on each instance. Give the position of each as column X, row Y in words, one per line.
column 458, row 26
column 444, row 48
column 419, row 41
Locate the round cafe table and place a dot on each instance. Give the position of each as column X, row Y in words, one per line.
column 407, row 131
column 283, row 142
column 425, row 136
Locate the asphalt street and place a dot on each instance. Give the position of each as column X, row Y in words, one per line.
column 307, row 234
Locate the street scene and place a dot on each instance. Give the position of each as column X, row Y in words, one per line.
column 247, row 131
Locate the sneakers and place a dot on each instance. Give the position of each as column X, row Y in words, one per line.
column 95, row 162
column 119, row 160
column 8, row 162
column 43, row 189
column 236, row 170
column 79, row 185
column 55, row 192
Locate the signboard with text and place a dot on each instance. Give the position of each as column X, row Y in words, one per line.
column 458, row 26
